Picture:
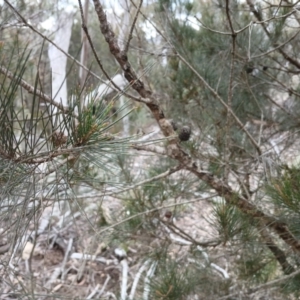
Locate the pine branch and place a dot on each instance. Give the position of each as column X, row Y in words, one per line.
column 218, row 97
column 175, row 151
column 258, row 16
column 249, row 209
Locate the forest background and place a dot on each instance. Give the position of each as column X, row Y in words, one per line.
column 149, row 149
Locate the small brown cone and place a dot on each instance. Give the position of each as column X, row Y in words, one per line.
column 184, row 133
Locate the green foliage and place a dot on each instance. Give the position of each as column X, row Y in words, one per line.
column 231, row 224
column 291, row 286
column 285, row 191
column 256, row 263
column 179, row 280
column 79, row 150
column 173, row 281
column 209, row 55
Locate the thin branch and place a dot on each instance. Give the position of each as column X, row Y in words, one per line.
column 248, row 208
column 132, row 27
column 85, row 29
column 32, row 90
column 150, row 148
column 203, row 244
column 281, row 107
column 221, row 32
column 84, row 49
column 150, row 21
column 277, row 47
column 229, row 19
column 284, row 86
column 244, row 28
column 124, row 265
column 241, row 125
column 258, row 16
column 154, row 178
column 137, row 84
column 67, row 54
column 263, row 286
column 136, row 279
column 51, row 42
column 148, row 277
column 117, row 53
column 230, row 93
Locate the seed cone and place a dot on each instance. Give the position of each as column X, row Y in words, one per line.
column 185, row 133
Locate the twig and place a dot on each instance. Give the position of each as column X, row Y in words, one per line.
column 104, row 286
column 94, row 292
column 54, row 276
column 32, row 90
column 84, row 256
column 277, row 47
column 110, row 294
column 230, row 93
column 137, row 278
column 154, row 210
column 149, row 275
column 238, row 121
column 65, row 53
column 258, row 16
column 263, row 286
column 132, row 27
column 245, row 27
column 221, row 32
column 153, row 149
column 85, row 29
column 121, row 58
column 124, row 265
column 148, row 136
column 212, row 265
column 221, row 270
column 51, row 42
column 67, row 251
column 154, row 178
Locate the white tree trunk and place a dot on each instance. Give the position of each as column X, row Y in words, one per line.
column 58, row 61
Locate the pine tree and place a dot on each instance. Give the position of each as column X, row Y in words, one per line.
column 201, row 201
